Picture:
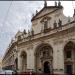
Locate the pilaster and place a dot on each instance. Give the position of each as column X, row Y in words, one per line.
column 30, row 59
column 58, row 59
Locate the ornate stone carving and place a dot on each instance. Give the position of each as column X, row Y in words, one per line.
column 30, row 47
column 46, row 18
column 45, row 54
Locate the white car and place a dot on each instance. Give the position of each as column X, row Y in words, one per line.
column 7, row 72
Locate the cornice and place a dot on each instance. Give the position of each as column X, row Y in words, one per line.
column 51, row 33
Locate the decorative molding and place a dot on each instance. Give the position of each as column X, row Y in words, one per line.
column 58, row 70
column 58, row 41
column 45, row 18
column 68, row 62
column 55, row 69
column 30, row 47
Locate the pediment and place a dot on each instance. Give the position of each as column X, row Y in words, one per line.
column 46, row 10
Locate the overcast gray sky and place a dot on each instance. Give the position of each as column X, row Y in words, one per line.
column 19, row 15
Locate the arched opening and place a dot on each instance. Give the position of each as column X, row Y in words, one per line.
column 23, row 61
column 69, row 58
column 44, row 57
column 16, row 64
column 46, row 67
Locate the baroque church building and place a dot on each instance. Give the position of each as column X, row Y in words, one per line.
column 48, row 47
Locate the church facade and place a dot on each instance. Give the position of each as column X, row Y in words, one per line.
column 49, row 47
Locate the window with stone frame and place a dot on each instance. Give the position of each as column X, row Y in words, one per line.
column 46, row 52
column 45, row 21
column 55, row 24
column 68, row 54
column 45, row 25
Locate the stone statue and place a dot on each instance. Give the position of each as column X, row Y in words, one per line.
column 59, row 3
column 32, row 32
column 60, row 23
column 28, row 33
column 55, row 24
column 24, row 31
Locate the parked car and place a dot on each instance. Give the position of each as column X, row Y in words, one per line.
column 7, row 72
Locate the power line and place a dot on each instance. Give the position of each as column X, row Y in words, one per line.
column 7, row 13
column 73, row 5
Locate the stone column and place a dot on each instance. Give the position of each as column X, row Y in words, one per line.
column 58, row 59
column 55, row 66
column 30, row 60
column 19, row 62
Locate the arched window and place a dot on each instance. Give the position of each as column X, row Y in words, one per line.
column 69, row 58
column 16, row 63
column 68, row 54
column 23, row 61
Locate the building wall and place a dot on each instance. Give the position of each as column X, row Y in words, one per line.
column 57, row 39
column 58, row 51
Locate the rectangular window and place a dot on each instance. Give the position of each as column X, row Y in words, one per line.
column 45, row 25
column 68, row 54
column 69, row 69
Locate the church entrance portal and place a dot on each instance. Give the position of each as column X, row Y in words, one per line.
column 46, row 67
column 44, row 58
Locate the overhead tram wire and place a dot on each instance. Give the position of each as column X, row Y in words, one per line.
column 73, row 5
column 73, row 8
column 7, row 13
column 69, row 37
column 7, row 16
